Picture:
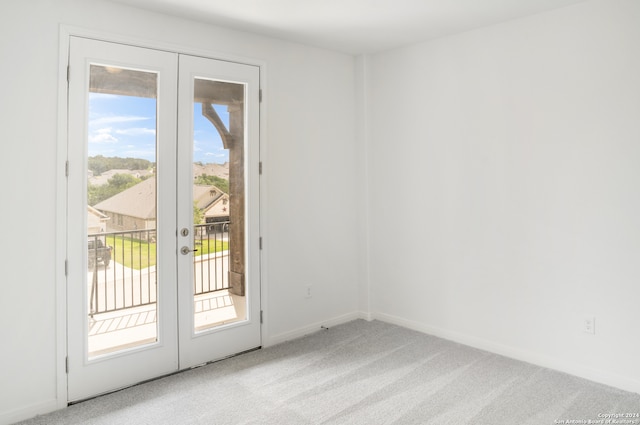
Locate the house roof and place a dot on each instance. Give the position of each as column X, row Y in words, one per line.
column 95, row 220
column 206, row 195
column 138, row 201
column 92, row 212
column 212, row 169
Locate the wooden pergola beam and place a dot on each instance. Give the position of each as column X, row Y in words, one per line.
column 130, row 82
column 210, row 113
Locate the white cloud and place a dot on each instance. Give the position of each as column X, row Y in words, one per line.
column 137, row 131
column 102, row 138
column 102, row 135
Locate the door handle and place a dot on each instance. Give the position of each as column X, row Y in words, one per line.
column 185, row 250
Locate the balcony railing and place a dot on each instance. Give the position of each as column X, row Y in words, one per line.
column 122, row 266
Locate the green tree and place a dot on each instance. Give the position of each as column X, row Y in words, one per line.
column 115, row 185
column 123, row 181
column 99, row 164
column 198, row 215
column 207, row 180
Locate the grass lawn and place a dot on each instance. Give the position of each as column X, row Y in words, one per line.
column 132, row 253
column 137, row 254
column 209, row 246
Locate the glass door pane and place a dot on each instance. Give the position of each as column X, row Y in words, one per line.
column 218, row 204
column 121, row 210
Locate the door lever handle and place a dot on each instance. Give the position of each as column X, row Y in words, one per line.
column 185, row 250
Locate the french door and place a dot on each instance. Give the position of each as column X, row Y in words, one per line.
column 163, row 213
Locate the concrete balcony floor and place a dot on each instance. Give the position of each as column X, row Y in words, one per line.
column 132, row 327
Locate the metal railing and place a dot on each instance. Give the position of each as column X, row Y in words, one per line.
column 122, row 266
column 211, row 261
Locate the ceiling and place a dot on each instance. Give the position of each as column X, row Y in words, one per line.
column 352, row 26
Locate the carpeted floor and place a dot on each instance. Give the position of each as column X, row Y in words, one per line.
column 358, row 373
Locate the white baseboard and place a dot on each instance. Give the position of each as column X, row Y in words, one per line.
column 314, row 327
column 368, row 316
column 613, row 380
column 28, row 412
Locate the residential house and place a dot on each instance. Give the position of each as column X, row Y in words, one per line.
column 213, row 203
column 135, row 208
column 96, row 221
column 131, row 209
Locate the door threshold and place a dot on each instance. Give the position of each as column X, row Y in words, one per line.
column 70, row 403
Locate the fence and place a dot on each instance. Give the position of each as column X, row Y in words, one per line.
column 122, row 266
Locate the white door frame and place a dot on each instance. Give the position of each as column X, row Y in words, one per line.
column 66, row 32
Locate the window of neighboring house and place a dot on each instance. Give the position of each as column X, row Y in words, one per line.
column 119, row 216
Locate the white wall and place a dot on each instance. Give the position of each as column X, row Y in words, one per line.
column 504, row 204
column 310, row 220
column 501, row 165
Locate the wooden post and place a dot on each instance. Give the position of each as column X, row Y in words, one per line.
column 236, row 201
column 233, row 139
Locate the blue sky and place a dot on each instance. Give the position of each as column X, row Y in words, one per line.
column 125, row 126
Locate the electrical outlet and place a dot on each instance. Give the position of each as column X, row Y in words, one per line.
column 308, row 293
column 589, row 325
